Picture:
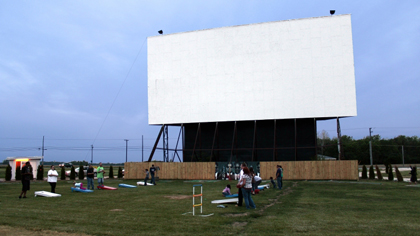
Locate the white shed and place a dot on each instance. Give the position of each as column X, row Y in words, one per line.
column 15, row 162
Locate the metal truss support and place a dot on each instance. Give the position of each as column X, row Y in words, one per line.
column 295, row 140
column 156, row 143
column 253, row 141
column 165, row 144
column 340, row 150
column 196, row 140
column 214, row 140
column 274, row 146
column 176, row 146
column 233, row 143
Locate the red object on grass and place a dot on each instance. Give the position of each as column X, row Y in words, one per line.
column 257, row 191
column 106, row 188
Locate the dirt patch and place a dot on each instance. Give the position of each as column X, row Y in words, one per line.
column 239, row 224
column 260, row 210
column 116, row 210
column 11, row 231
column 237, row 215
column 179, row 197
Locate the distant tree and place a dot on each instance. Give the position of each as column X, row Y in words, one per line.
column 120, row 175
column 322, row 139
column 378, row 173
column 390, row 174
column 63, row 173
column 364, row 172
column 18, row 173
column 111, row 172
column 398, row 173
column 371, row 173
column 40, row 173
column 72, row 173
column 8, row 173
column 81, row 172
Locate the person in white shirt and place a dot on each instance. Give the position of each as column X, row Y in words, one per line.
column 52, row 178
column 257, row 181
column 240, row 197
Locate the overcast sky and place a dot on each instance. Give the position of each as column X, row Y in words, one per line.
column 76, row 71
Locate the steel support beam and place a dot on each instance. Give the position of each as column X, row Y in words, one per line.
column 295, row 140
column 340, row 150
column 156, row 143
column 165, row 144
column 233, row 142
column 274, row 146
column 214, row 141
column 253, row 141
column 176, row 146
column 195, row 143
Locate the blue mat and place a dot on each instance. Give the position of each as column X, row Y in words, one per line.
column 127, row 186
column 81, row 190
column 233, row 195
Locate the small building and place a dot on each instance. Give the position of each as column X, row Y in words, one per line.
column 19, row 162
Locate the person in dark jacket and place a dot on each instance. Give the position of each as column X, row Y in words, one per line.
column 413, row 174
column 26, row 179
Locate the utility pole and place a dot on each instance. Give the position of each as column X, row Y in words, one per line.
column 370, row 146
column 91, row 154
column 126, row 149
column 42, row 150
column 339, row 139
column 142, row 148
column 402, row 150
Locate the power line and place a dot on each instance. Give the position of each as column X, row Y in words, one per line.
column 115, row 99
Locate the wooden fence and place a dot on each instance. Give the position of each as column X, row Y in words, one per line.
column 312, row 170
column 171, row 170
column 293, row 170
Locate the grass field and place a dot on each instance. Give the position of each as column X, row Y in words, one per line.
column 302, row 207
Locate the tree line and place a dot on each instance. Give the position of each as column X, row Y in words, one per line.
column 384, row 151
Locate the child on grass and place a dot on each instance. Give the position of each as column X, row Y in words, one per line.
column 226, row 191
column 78, row 185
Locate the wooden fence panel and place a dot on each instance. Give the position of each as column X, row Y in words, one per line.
column 316, row 170
column 292, row 170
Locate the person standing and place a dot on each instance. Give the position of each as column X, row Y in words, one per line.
column 413, row 174
column 247, row 187
column 257, row 181
column 279, row 175
column 26, row 179
column 52, row 178
column 147, row 176
column 240, row 196
column 251, row 170
column 281, row 169
column 90, row 176
column 152, row 172
column 100, row 174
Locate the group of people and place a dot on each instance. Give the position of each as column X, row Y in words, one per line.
column 246, row 186
column 248, row 183
column 152, row 173
column 27, row 172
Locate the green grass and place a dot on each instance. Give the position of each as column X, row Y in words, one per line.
column 302, row 207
